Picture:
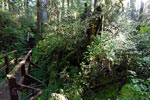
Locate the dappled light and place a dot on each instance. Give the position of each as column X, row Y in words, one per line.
column 74, row 49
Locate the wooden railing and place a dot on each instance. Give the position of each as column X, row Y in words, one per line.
column 8, row 63
column 22, row 82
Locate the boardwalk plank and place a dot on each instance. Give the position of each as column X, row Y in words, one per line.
column 4, row 93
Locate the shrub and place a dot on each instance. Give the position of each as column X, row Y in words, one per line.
column 11, row 36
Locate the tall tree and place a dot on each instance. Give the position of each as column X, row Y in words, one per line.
column 133, row 9
column 59, row 10
column 12, row 5
column 63, row 4
column 68, row 3
column 44, row 10
column 39, row 16
column 1, row 4
column 141, row 10
column 72, row 4
column 93, row 4
column 26, row 6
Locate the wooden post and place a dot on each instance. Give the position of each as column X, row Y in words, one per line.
column 23, row 71
column 13, row 89
column 30, row 60
column 7, row 63
column 31, row 56
column 16, row 56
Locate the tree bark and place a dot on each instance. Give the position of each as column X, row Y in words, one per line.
column 63, row 8
column 68, row 3
column 9, row 5
column 63, row 4
column 27, row 7
column 44, row 10
column 5, row 4
column 95, row 2
column 1, row 4
column 141, row 10
column 72, row 4
column 92, row 5
column 133, row 9
column 39, row 24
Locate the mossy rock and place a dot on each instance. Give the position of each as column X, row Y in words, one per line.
column 109, row 92
column 128, row 93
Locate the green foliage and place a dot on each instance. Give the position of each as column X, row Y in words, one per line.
column 138, row 89
column 7, row 19
column 141, row 53
column 73, row 88
column 11, row 36
column 60, row 54
column 105, row 55
column 109, row 92
column 11, row 39
column 13, row 31
column 145, row 29
column 27, row 23
column 110, row 57
column 67, row 72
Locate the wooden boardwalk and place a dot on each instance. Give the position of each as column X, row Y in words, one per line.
column 4, row 90
column 4, row 93
column 18, row 80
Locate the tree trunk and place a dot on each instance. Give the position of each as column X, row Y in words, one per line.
column 9, row 5
column 5, row 4
column 72, row 4
column 39, row 25
column 53, row 3
column 92, row 5
column 1, row 4
column 95, row 2
column 133, row 9
column 68, row 3
column 63, row 9
column 60, row 11
column 44, row 10
column 26, row 6
column 63, row 4
column 141, row 10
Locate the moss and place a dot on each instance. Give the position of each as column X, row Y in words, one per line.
column 128, row 93
column 109, row 92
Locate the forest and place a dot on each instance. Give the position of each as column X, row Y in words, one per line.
column 77, row 49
